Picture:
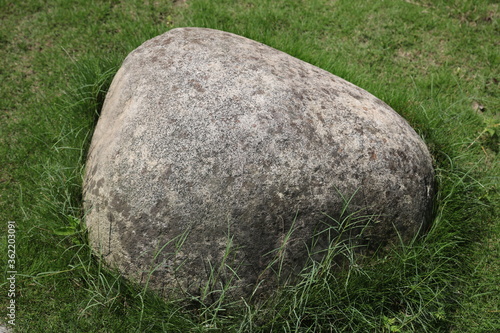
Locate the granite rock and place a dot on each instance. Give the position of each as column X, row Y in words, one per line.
column 213, row 151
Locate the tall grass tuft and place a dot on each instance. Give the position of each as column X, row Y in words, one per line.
column 408, row 289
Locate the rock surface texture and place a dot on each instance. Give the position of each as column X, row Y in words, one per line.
column 213, row 150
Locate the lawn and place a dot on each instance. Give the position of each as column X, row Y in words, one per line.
column 434, row 62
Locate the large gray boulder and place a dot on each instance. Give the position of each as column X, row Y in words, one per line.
column 215, row 155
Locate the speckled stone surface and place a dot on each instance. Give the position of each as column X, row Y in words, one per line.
column 5, row 329
column 206, row 136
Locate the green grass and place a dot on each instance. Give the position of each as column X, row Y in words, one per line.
column 434, row 62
